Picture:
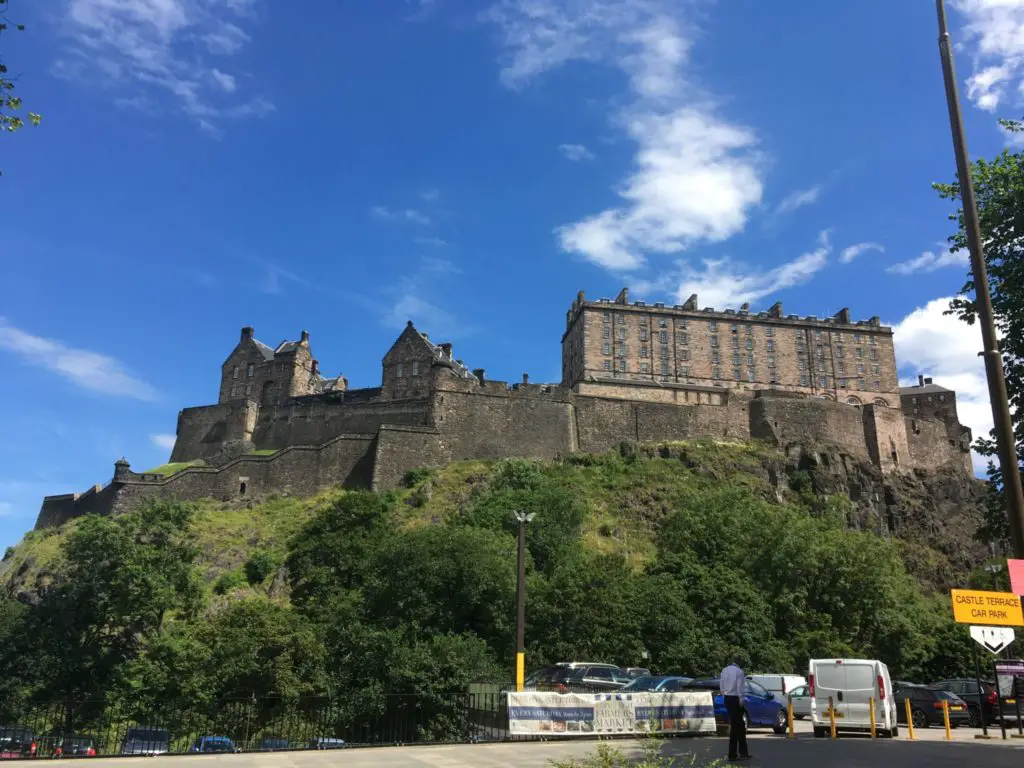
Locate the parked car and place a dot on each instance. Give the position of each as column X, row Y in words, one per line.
column 635, row 672
column 327, row 743
column 800, row 697
column 657, row 684
column 273, row 744
column 17, row 741
column 75, row 746
column 780, row 685
column 208, row 744
column 926, row 706
column 579, row 676
column 981, row 704
column 851, row 684
column 761, row 708
column 146, row 740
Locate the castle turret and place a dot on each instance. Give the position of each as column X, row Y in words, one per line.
column 122, row 468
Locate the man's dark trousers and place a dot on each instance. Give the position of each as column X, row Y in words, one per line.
column 737, row 728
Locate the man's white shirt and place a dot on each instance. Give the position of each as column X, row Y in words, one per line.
column 733, row 682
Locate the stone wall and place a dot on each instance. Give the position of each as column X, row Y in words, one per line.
column 313, row 421
column 784, row 420
column 399, row 449
column 886, row 437
column 932, row 443
column 204, row 431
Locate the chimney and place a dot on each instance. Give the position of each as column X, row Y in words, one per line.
column 526, row 378
column 928, row 380
column 426, row 336
column 316, row 367
column 579, row 298
column 623, row 297
column 775, row 310
column 247, row 332
column 843, row 316
column 304, row 337
column 479, row 373
column 920, row 380
column 446, row 349
column 691, row 303
column 745, row 306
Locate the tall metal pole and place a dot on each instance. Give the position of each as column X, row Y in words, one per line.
column 521, row 606
column 1001, row 418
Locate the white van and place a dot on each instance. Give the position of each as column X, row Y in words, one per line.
column 851, row 683
column 780, row 685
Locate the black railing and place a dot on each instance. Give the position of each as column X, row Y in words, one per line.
column 255, row 724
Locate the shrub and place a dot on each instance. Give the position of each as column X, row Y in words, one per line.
column 8, row 553
column 259, row 566
column 416, row 476
column 229, row 581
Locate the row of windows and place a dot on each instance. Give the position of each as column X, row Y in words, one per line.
column 236, row 389
column 249, row 372
column 400, row 371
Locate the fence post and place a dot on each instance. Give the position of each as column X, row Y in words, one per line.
column 871, row 704
column 910, row 720
column 792, row 733
column 831, row 718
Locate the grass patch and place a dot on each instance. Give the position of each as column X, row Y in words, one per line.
column 264, row 452
column 173, row 467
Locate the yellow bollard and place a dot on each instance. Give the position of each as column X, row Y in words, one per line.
column 910, row 721
column 871, row 703
column 831, row 717
column 945, row 717
column 792, row 733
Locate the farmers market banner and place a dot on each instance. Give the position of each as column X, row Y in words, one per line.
column 585, row 714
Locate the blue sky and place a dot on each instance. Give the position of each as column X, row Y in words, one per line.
column 342, row 166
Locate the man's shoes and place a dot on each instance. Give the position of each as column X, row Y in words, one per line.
column 740, row 759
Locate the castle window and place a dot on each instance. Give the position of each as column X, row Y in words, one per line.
column 856, row 338
column 839, row 350
column 643, row 334
column 644, row 350
column 684, row 370
column 663, row 337
column 712, row 325
column 737, row 374
column 771, row 346
column 877, row 370
column 714, row 356
column 735, row 328
column 234, row 372
column 821, row 352
column 684, row 354
column 643, row 367
column 877, row 385
column 234, row 390
column 607, row 332
column 749, row 330
column 817, row 333
column 622, row 332
column 248, row 389
column 805, row 380
column 872, row 340
column 860, row 384
column 873, row 354
column 801, row 364
column 607, row 365
column 769, row 332
column 415, row 367
column 750, row 358
column 714, row 341
column 250, row 370
column 682, row 338
column 735, row 342
column 751, row 374
column 715, row 373
column 664, row 352
column 663, row 323
column 771, row 361
column 841, row 383
column 915, row 400
column 942, row 398
column 681, row 323
column 398, row 370
column 822, row 381
column 860, row 369
column 607, row 316
column 621, row 349
column 664, row 368
column 735, row 358
column 772, row 377
column 841, row 366
column 607, row 348
column 750, row 344
column 622, row 365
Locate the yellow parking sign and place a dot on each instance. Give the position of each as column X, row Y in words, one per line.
column 992, row 608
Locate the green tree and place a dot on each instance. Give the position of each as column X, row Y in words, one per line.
column 9, row 103
column 999, row 191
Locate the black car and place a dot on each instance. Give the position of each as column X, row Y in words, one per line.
column 983, row 704
column 17, row 741
column 926, row 706
column 579, row 677
column 273, row 745
column 75, row 746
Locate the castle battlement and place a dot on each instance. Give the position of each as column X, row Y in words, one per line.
column 631, row 373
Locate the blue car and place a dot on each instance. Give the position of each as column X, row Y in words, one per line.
column 657, row 684
column 214, row 744
column 761, row 708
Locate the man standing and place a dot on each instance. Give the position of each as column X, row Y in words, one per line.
column 734, row 685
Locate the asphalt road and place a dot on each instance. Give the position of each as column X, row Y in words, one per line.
column 803, row 752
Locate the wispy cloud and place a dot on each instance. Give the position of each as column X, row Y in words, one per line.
column 436, row 266
column 160, row 47
column 994, row 31
column 798, row 199
column 852, row 252
column 86, row 369
column 412, row 298
column 430, row 195
column 575, row 152
column 695, row 175
column 929, row 261
column 383, row 213
column 163, row 441
column 437, row 242
column 723, row 283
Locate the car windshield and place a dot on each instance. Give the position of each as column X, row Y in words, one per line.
column 147, row 734
column 645, row 683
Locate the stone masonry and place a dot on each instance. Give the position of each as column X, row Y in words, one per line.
column 631, row 372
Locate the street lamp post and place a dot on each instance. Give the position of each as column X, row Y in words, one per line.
column 523, row 519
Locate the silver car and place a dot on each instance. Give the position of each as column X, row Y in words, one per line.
column 800, row 698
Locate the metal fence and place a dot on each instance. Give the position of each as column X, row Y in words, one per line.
column 478, row 713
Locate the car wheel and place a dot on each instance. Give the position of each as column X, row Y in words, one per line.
column 975, row 717
column 895, row 731
column 781, row 722
column 920, row 718
column 819, row 733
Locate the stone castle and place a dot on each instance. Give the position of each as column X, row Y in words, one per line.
column 630, row 372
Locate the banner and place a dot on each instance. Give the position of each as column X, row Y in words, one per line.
column 585, row 714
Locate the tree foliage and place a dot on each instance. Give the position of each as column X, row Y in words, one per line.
column 999, row 191
column 10, row 120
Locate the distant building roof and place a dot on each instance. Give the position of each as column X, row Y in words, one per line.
column 927, row 389
column 267, row 352
column 285, row 347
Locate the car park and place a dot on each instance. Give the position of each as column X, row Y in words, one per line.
column 926, row 706
column 760, row 707
column 849, row 685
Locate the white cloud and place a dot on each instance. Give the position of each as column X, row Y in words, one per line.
column 722, row 283
column 437, row 242
column 224, row 80
column 994, row 32
column 575, row 152
column 695, row 175
column 930, row 261
column 436, row 266
column 430, row 194
column 931, row 343
column 425, row 315
column 798, row 199
column 158, row 46
column 163, row 441
column 852, row 252
column 6, row 509
column 86, row 369
column 407, row 214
